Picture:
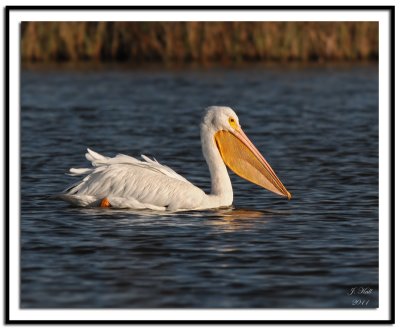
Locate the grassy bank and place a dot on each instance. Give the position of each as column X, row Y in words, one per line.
column 181, row 42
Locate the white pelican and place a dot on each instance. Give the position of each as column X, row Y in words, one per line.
column 125, row 182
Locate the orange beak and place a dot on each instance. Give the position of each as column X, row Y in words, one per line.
column 243, row 158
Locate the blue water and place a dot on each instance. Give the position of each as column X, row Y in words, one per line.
column 318, row 128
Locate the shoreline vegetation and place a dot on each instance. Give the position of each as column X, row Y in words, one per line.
column 199, row 42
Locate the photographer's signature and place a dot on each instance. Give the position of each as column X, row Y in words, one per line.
column 360, row 295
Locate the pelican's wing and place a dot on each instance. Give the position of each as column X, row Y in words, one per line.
column 128, row 182
column 99, row 160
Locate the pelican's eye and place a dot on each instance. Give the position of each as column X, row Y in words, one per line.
column 232, row 122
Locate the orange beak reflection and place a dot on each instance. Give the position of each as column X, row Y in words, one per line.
column 242, row 157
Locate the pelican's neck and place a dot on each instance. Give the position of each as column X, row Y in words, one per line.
column 221, row 187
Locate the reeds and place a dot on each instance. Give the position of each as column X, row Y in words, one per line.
column 181, row 42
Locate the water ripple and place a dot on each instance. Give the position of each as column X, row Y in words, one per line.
column 317, row 127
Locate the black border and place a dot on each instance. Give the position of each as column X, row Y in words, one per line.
column 8, row 9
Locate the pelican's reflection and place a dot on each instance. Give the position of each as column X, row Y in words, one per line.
column 231, row 219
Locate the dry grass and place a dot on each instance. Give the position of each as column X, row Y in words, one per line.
column 181, row 42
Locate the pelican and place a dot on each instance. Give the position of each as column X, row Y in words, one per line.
column 125, row 182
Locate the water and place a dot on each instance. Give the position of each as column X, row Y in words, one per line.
column 318, row 128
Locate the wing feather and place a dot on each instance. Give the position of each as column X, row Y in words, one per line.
column 133, row 183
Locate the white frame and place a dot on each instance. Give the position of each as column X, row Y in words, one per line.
column 321, row 315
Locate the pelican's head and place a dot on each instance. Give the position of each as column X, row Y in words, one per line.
column 238, row 152
column 220, row 118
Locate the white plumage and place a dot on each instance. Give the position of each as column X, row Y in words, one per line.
column 126, row 182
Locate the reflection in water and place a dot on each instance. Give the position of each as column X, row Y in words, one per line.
column 238, row 219
column 240, row 214
column 229, row 218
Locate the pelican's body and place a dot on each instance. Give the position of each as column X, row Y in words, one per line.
column 125, row 182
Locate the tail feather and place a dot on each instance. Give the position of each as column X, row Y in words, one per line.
column 79, row 171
